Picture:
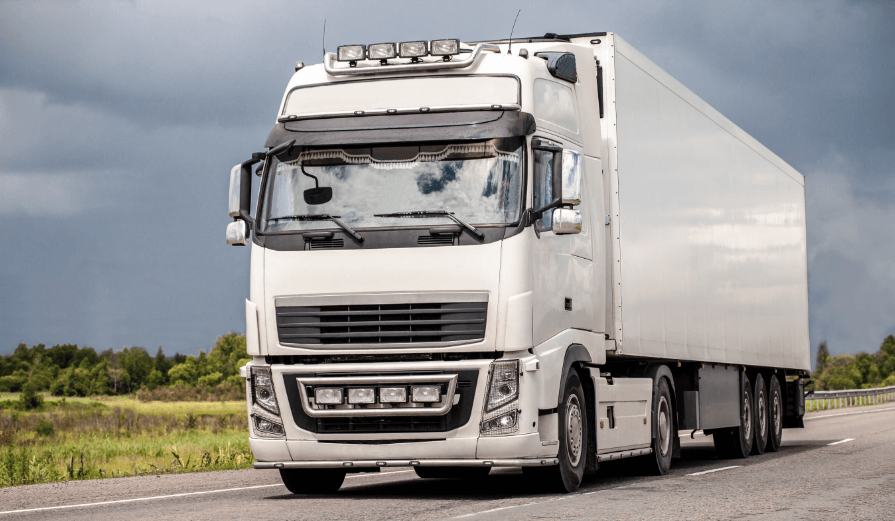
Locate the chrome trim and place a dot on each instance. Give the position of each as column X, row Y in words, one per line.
column 382, row 298
column 566, row 221
column 328, row 62
column 408, row 110
column 450, row 379
column 623, row 454
column 519, row 462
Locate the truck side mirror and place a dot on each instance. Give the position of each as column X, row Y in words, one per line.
column 237, row 232
column 572, row 163
column 240, row 199
column 547, row 190
column 566, row 221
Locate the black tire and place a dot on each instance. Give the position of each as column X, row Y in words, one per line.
column 312, row 481
column 760, row 418
column 573, row 436
column 775, row 415
column 659, row 462
column 736, row 442
column 452, row 472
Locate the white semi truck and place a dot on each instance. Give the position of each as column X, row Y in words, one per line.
column 543, row 253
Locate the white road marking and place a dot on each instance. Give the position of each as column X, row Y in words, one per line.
column 849, row 413
column 714, row 470
column 178, row 495
column 841, row 441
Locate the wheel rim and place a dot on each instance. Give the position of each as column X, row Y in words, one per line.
column 747, row 416
column 574, row 431
column 762, row 414
column 776, row 411
column 664, row 426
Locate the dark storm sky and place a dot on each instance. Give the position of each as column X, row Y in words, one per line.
column 119, row 122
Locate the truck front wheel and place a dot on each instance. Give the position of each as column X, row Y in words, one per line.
column 659, row 462
column 312, row 481
column 573, row 436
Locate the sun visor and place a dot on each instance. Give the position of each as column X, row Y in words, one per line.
column 438, row 126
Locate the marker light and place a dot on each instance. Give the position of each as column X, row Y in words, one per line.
column 361, row 395
column 351, row 53
column 426, row 393
column 413, row 49
column 381, row 51
column 328, row 396
column 393, row 394
column 445, row 47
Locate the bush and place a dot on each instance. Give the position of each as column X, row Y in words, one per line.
column 44, row 428
column 30, row 399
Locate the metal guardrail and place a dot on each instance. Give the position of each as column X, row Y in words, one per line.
column 823, row 400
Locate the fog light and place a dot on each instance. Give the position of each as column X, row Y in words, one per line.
column 426, row 393
column 328, row 396
column 351, row 53
column 445, row 47
column 502, row 423
column 393, row 394
column 413, row 49
column 361, row 395
column 381, row 51
column 266, row 427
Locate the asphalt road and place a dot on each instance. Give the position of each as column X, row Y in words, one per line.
column 812, row 477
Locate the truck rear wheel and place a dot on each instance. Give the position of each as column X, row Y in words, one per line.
column 775, row 413
column 736, row 442
column 573, row 436
column 312, row 481
column 760, row 440
column 452, row 472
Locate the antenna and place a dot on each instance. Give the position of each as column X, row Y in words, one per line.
column 324, row 37
column 510, row 47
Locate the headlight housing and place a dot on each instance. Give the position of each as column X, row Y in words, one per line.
column 501, row 414
column 263, row 394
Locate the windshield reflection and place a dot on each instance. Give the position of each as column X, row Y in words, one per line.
column 481, row 183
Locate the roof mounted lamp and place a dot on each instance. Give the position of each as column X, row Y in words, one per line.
column 351, row 54
column 445, row 48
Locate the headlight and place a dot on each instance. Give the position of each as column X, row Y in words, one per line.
column 504, row 423
column 426, row 393
column 262, row 390
column 504, row 385
column 328, row 395
column 392, row 394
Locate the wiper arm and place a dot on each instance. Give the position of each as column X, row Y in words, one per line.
column 321, row 217
column 435, row 213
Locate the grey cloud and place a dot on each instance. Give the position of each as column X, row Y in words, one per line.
column 119, row 122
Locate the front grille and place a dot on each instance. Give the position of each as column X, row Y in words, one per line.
column 370, row 425
column 382, row 323
column 458, row 416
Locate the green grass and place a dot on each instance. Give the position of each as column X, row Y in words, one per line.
column 86, row 438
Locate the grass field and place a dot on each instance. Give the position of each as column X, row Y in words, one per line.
column 86, row 438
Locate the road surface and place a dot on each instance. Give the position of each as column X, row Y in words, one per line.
column 842, row 466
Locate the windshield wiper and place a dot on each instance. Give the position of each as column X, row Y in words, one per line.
column 321, row 217
column 435, row 213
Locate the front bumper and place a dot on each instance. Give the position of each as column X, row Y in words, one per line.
column 522, row 462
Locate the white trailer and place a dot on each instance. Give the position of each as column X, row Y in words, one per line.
column 544, row 254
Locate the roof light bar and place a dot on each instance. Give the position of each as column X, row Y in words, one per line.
column 413, row 49
column 381, row 51
column 351, row 53
column 445, row 47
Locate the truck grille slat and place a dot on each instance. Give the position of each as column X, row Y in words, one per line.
column 382, row 323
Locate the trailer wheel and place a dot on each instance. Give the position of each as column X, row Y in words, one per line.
column 760, row 440
column 312, row 481
column 659, row 462
column 736, row 442
column 775, row 415
column 573, row 436
column 452, row 472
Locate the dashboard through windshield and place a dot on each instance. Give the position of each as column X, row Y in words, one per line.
column 479, row 182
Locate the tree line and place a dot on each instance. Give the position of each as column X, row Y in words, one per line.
column 860, row 371
column 69, row 370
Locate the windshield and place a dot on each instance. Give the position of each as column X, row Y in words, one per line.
column 481, row 183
